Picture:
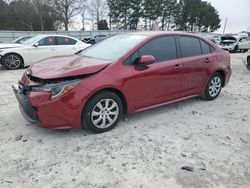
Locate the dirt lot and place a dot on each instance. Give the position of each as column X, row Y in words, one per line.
column 147, row 150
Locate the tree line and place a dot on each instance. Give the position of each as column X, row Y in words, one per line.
column 40, row 15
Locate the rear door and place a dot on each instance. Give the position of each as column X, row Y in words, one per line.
column 66, row 46
column 196, row 56
column 160, row 81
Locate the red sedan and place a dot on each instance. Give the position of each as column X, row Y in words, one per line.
column 123, row 74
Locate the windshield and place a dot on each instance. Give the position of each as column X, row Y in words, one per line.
column 31, row 40
column 113, row 48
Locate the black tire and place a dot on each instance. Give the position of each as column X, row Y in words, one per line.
column 235, row 50
column 92, row 42
column 90, row 121
column 248, row 63
column 245, row 50
column 16, row 64
column 212, row 92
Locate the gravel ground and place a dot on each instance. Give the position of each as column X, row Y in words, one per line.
column 147, row 150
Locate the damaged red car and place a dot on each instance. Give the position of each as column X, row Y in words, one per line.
column 121, row 75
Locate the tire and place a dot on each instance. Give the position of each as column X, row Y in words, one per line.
column 235, row 49
column 102, row 112
column 213, row 87
column 245, row 50
column 12, row 61
column 248, row 63
column 92, row 42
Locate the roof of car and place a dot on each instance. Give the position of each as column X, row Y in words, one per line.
column 54, row 35
column 156, row 33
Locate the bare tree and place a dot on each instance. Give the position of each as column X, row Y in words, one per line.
column 39, row 6
column 65, row 10
column 83, row 14
column 98, row 10
column 25, row 17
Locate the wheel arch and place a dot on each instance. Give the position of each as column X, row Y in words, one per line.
column 117, row 92
column 221, row 72
column 223, row 75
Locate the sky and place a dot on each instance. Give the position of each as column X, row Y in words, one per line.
column 237, row 13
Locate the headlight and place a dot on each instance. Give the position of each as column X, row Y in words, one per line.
column 58, row 89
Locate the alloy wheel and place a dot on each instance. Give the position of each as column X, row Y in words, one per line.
column 105, row 113
column 12, row 62
column 214, row 86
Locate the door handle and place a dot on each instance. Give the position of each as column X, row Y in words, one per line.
column 207, row 60
column 178, row 66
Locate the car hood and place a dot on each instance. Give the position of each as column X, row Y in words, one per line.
column 229, row 38
column 10, row 45
column 67, row 66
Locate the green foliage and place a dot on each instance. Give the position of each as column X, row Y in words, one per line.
column 102, row 25
column 187, row 15
column 196, row 15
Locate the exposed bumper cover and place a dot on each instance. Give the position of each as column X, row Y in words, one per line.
column 28, row 111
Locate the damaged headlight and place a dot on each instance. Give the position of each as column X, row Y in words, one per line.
column 57, row 89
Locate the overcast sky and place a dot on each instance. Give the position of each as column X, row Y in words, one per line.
column 236, row 11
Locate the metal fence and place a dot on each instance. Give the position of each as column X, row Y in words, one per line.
column 7, row 36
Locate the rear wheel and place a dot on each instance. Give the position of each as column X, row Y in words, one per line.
column 213, row 87
column 12, row 61
column 248, row 63
column 102, row 112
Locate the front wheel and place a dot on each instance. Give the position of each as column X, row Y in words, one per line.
column 236, row 48
column 12, row 61
column 102, row 112
column 213, row 88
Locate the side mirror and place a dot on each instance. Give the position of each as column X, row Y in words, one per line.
column 147, row 59
column 36, row 44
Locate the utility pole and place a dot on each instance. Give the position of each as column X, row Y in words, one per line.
column 225, row 27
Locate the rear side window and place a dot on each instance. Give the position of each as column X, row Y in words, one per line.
column 47, row 41
column 206, row 48
column 162, row 48
column 189, row 46
column 65, row 41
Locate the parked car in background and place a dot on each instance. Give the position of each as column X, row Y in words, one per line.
column 14, row 43
column 126, row 73
column 235, row 43
column 95, row 39
column 14, row 56
column 215, row 38
column 20, row 40
column 244, row 44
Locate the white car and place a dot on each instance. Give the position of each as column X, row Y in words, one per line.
column 235, row 43
column 244, row 44
column 14, row 56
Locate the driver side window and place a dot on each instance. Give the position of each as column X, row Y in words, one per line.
column 162, row 48
column 47, row 41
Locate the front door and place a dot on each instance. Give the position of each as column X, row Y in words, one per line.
column 46, row 48
column 161, row 81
